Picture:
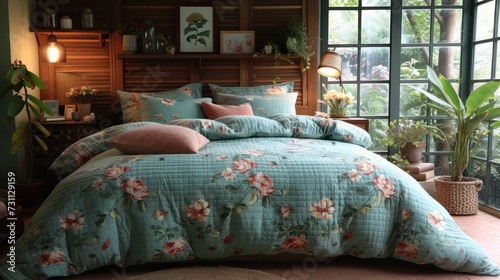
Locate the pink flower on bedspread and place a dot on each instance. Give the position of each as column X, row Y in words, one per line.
column 168, row 101
column 50, row 258
column 436, row 220
column 407, row 214
column 82, row 157
column 136, row 188
column 174, row 246
column 115, row 172
column 366, row 167
column 228, row 174
column 243, row 165
column 99, row 184
column 74, row 220
column 297, row 243
column 159, row 214
column 186, row 90
column 263, row 182
column 385, row 185
column 322, row 209
column 199, row 210
column 285, row 211
column 407, row 250
column 354, row 175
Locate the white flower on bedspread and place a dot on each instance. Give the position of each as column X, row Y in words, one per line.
column 322, row 209
column 354, row 175
column 407, row 250
column 385, row 185
column 174, row 246
column 51, row 258
column 135, row 187
column 243, row 165
column 159, row 214
column 263, row 182
column 115, row 172
column 285, row 211
column 254, row 153
column 74, row 220
column 228, row 174
column 407, row 214
column 99, row 184
column 168, row 101
column 198, row 211
column 207, row 125
column 436, row 220
column 297, row 243
column 366, row 167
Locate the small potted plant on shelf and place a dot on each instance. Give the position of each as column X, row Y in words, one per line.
column 298, row 42
column 19, row 79
column 409, row 137
column 458, row 193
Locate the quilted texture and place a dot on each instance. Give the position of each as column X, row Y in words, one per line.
column 162, row 110
column 129, row 101
column 281, row 88
column 265, row 105
column 243, row 196
column 213, row 111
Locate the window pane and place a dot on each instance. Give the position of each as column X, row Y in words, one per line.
column 373, row 3
column 497, row 71
column 447, row 2
column 349, row 63
column 448, row 59
column 343, row 3
column 374, row 99
column 343, row 27
column 374, row 64
column 485, row 21
column 375, row 26
column 482, row 61
column 451, row 29
column 416, row 25
column 377, row 133
column 412, row 103
column 495, row 155
column 413, row 66
column 410, row 3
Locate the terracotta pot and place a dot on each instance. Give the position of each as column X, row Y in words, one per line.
column 411, row 153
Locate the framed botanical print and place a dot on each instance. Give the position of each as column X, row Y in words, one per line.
column 234, row 42
column 196, row 29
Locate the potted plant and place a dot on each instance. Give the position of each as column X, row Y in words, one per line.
column 409, row 137
column 457, row 193
column 19, row 79
column 298, row 42
column 278, row 58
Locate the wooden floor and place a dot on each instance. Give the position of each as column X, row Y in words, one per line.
column 483, row 227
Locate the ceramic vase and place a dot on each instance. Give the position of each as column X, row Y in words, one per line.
column 129, row 44
column 84, row 110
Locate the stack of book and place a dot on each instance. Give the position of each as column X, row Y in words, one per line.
column 422, row 171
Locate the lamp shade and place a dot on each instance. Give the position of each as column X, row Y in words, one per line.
column 52, row 51
column 331, row 65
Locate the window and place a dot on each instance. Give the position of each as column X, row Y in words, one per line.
column 380, row 58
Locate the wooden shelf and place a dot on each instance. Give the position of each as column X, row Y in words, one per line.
column 58, row 30
column 199, row 55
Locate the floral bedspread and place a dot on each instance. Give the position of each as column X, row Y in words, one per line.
column 312, row 192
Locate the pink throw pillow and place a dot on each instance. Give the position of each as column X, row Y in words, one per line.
column 159, row 139
column 214, row 111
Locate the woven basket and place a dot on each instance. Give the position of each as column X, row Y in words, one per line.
column 458, row 197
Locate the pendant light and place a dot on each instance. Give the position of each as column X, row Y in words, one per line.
column 52, row 52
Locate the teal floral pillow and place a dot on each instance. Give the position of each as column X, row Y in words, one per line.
column 263, row 105
column 130, row 105
column 163, row 110
column 281, row 88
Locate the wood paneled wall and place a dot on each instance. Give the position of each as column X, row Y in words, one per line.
column 96, row 56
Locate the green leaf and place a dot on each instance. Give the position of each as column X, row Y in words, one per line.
column 266, row 201
column 205, row 33
column 37, row 81
column 253, row 198
column 127, row 202
column 18, row 75
column 202, row 41
column 41, row 128
column 480, row 95
column 35, row 111
column 6, row 90
column 16, row 105
column 40, row 104
column 18, row 138
column 189, row 29
column 40, row 141
column 141, row 205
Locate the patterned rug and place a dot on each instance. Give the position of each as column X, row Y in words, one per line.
column 208, row 272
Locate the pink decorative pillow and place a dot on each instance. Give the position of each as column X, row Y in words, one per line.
column 214, row 111
column 159, row 139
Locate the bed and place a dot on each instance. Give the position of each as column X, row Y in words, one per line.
column 249, row 185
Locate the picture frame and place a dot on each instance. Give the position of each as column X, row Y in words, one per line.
column 196, row 29
column 237, row 42
column 53, row 105
column 68, row 109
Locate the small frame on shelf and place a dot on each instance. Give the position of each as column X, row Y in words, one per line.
column 53, row 105
column 236, row 42
column 196, row 29
column 68, row 109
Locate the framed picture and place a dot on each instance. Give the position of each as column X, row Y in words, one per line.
column 68, row 109
column 196, row 29
column 53, row 105
column 232, row 42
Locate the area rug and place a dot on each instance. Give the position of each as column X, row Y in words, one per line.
column 208, row 272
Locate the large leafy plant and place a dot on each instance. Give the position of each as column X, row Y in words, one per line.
column 19, row 79
column 479, row 106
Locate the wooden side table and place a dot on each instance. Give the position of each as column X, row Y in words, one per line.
column 62, row 135
column 359, row 122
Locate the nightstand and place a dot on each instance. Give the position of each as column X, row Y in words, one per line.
column 359, row 122
column 62, row 135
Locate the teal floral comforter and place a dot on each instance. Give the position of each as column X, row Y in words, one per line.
column 262, row 186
